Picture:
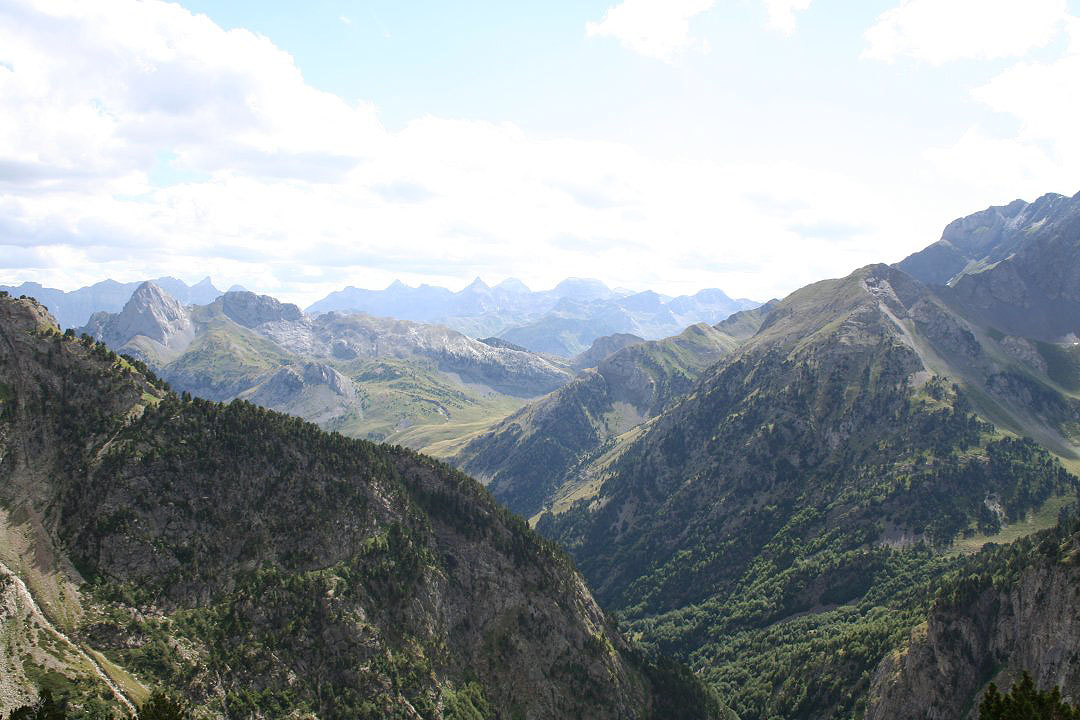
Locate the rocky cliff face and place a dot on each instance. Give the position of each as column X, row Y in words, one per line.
column 1035, row 292
column 263, row 567
column 251, row 310
column 1012, row 611
column 152, row 326
column 976, row 242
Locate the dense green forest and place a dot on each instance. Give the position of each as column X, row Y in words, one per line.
column 159, row 706
column 1026, row 702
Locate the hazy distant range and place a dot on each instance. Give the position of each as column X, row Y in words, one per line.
column 562, row 321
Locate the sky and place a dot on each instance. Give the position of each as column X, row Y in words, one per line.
column 672, row 145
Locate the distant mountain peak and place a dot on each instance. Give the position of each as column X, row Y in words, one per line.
column 151, row 297
column 513, row 285
column 152, row 313
column 250, row 310
column 477, row 284
column 582, row 289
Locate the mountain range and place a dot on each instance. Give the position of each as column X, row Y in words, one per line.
column 858, row 501
column 563, row 321
column 262, row 567
column 73, row 309
column 361, row 375
column 789, row 515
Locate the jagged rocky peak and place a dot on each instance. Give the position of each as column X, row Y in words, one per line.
column 976, row 242
column 151, row 313
column 319, row 374
column 477, row 285
column 251, row 310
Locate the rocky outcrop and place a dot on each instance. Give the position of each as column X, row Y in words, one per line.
column 973, row 243
column 152, row 325
column 314, row 391
column 251, row 310
column 990, row 630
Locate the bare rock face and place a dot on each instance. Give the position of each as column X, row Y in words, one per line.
column 508, row 370
column 975, row 242
column 1024, row 351
column 152, row 325
column 251, row 310
column 995, row 633
column 312, row 390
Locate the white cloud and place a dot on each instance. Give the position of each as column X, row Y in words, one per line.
column 661, row 28
column 297, row 193
column 654, row 28
column 782, row 13
column 938, row 31
column 1043, row 96
column 1044, row 152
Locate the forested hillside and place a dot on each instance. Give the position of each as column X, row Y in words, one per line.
column 260, row 566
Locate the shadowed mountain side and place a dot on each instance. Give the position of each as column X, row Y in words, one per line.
column 528, row 457
column 979, row 241
column 793, row 476
column 1009, row 610
column 251, row 561
column 603, row 348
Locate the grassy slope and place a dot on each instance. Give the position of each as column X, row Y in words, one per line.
column 405, row 402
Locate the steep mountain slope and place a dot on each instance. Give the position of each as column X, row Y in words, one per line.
column 745, row 323
column 1011, row 609
column 361, row 375
column 532, row 458
column 73, row 309
column 265, row 568
column 603, row 348
column 1036, row 293
column 759, row 526
column 979, row 241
